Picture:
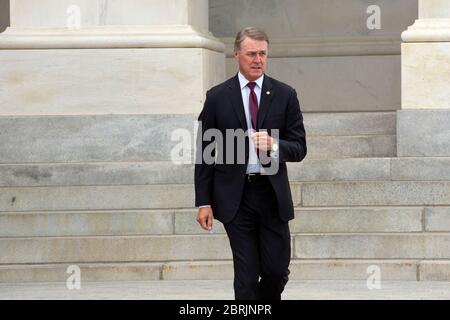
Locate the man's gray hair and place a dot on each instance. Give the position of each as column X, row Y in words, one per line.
column 252, row 33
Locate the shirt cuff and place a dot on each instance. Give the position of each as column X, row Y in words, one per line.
column 205, row 206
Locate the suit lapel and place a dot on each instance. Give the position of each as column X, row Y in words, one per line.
column 236, row 101
column 235, row 95
column 267, row 95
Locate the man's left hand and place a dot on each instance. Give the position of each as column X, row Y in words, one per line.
column 262, row 140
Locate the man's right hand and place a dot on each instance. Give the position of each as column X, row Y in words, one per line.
column 205, row 218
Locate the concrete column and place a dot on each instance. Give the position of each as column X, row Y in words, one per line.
column 54, row 13
column 424, row 121
column 82, row 57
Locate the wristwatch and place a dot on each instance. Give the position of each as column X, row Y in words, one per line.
column 274, row 151
column 275, row 146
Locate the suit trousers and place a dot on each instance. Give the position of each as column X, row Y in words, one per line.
column 260, row 243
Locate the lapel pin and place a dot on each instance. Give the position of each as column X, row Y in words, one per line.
column 268, row 92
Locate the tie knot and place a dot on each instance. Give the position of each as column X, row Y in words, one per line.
column 251, row 85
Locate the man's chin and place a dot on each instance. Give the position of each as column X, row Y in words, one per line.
column 256, row 74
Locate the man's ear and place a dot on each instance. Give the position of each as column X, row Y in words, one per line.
column 235, row 53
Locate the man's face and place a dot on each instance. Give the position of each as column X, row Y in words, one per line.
column 252, row 58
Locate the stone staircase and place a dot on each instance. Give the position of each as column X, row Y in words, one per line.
column 101, row 192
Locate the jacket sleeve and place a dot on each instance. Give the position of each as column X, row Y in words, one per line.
column 292, row 146
column 204, row 171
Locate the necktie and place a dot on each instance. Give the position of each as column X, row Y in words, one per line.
column 253, row 103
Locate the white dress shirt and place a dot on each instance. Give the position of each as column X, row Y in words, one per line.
column 254, row 165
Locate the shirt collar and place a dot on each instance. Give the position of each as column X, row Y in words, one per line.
column 243, row 81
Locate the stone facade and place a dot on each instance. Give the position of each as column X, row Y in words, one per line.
column 325, row 49
column 88, row 115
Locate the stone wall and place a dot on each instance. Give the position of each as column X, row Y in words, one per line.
column 124, row 57
column 324, row 48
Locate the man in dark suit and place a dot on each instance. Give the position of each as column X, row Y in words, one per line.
column 252, row 200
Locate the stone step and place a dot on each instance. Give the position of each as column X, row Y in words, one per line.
column 434, row 270
column 95, row 174
column 87, row 223
column 300, row 269
column 365, row 169
column 113, row 249
column 131, row 197
column 119, row 138
column 425, row 168
column 350, row 123
column 376, row 193
column 90, row 138
column 423, row 132
column 437, row 219
column 168, row 196
column 182, row 221
column 166, row 172
column 325, row 147
column 405, row 270
column 124, row 271
column 343, row 220
column 96, row 197
column 359, row 220
column 431, row 245
column 351, row 169
column 207, row 290
column 101, row 197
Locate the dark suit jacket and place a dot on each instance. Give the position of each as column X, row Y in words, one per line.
column 222, row 185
